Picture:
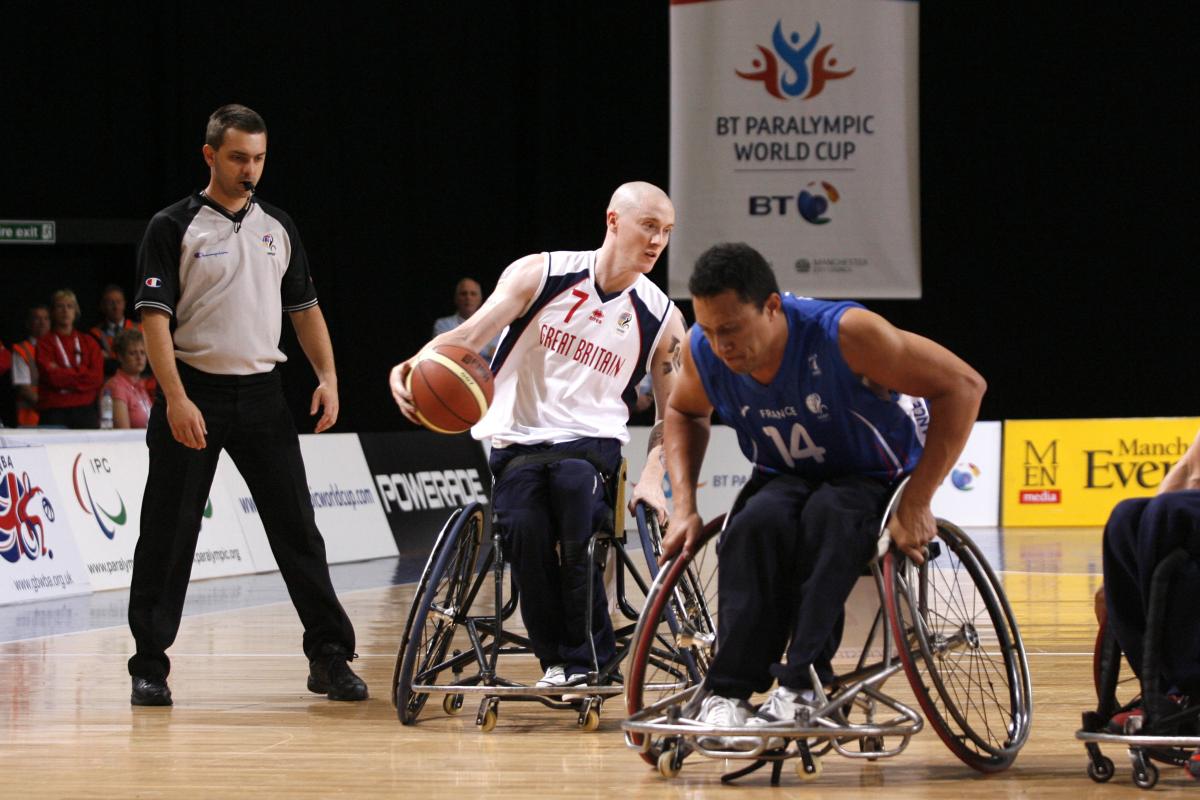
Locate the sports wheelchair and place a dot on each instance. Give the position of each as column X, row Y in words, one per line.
column 458, row 641
column 946, row 624
column 1164, row 731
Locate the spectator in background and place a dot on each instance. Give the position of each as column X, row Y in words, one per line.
column 468, row 297
column 112, row 322
column 24, row 367
column 70, row 368
column 131, row 399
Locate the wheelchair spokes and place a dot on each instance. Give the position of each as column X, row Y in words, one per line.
column 961, row 650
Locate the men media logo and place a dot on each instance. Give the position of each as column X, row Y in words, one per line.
column 22, row 532
column 796, row 76
column 268, row 242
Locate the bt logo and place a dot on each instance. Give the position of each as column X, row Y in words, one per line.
column 794, row 77
column 963, row 476
column 811, row 203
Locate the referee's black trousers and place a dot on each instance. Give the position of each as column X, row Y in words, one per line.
column 246, row 416
column 789, row 559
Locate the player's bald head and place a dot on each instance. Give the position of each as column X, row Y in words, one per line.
column 637, row 195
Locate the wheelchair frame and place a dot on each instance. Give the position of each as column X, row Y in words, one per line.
column 451, row 582
column 909, row 627
column 1144, row 748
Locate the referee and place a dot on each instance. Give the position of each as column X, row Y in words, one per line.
column 222, row 267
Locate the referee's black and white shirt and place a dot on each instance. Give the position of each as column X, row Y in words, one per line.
column 226, row 278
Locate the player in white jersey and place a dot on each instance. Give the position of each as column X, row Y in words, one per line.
column 582, row 330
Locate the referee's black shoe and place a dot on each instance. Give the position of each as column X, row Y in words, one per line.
column 150, row 692
column 330, row 674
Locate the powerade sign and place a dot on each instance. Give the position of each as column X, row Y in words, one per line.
column 421, row 478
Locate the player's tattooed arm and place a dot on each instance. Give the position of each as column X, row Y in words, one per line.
column 656, row 436
column 674, row 357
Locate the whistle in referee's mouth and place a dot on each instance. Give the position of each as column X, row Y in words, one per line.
column 248, row 186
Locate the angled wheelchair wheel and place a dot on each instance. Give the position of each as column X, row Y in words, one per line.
column 439, row 606
column 961, row 650
column 676, row 635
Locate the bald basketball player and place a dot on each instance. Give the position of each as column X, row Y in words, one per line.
column 582, row 329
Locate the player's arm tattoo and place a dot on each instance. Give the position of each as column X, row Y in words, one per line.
column 656, row 436
column 674, row 357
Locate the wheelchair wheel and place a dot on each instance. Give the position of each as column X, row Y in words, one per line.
column 650, row 534
column 676, row 635
column 437, row 610
column 961, row 650
column 1126, row 689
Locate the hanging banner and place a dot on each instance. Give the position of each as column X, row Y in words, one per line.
column 1073, row 471
column 794, row 129
column 38, row 557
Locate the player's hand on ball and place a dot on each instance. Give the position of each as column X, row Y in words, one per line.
column 398, row 381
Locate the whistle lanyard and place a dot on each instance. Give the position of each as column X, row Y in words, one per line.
column 62, row 353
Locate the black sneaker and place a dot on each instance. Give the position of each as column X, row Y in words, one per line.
column 330, row 674
column 150, row 692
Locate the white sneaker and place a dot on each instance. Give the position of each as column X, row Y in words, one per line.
column 782, row 705
column 555, row 676
column 724, row 712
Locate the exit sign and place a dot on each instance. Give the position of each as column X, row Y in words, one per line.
column 22, row 231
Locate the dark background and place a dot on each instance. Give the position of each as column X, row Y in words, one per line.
column 422, row 143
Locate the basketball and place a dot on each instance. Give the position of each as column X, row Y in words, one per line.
column 451, row 387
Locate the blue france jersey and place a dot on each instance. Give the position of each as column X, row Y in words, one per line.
column 816, row 418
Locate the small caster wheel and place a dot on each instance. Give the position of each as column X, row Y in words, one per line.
column 1146, row 777
column 452, row 704
column 666, row 763
column 1102, row 771
column 590, row 720
column 805, row 774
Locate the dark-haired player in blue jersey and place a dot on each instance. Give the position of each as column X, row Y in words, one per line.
column 833, row 405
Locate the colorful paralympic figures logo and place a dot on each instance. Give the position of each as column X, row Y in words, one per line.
column 20, row 531
column 814, row 200
column 963, row 476
column 794, row 78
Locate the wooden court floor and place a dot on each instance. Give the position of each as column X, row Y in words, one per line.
column 244, row 726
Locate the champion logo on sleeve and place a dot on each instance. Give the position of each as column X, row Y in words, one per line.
column 154, row 283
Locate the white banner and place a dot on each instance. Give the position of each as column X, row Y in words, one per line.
column 347, row 507
column 969, row 496
column 104, row 483
column 38, row 557
column 794, row 129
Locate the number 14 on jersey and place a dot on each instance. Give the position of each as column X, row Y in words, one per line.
column 800, row 447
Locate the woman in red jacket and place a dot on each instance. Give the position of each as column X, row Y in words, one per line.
column 70, row 368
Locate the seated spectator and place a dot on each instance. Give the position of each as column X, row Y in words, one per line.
column 468, row 297
column 70, row 369
column 131, row 399
column 24, row 367
column 112, row 322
